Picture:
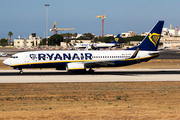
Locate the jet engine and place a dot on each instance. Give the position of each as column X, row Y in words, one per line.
column 75, row 67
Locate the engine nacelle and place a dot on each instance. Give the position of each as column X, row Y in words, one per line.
column 75, row 67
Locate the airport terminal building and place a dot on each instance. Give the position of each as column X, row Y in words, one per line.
column 32, row 41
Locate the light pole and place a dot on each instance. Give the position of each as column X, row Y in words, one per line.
column 46, row 24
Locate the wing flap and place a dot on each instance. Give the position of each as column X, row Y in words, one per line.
column 101, row 63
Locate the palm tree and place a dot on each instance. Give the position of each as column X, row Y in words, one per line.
column 10, row 34
column 63, row 35
column 74, row 35
column 68, row 36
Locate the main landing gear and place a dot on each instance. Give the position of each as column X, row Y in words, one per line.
column 21, row 72
column 90, row 70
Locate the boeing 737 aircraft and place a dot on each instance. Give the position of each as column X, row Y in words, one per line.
column 82, row 60
column 99, row 45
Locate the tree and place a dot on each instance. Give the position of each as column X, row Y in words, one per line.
column 43, row 42
column 128, row 39
column 63, row 35
column 96, row 39
column 74, row 35
column 10, row 34
column 103, row 39
column 108, row 39
column 53, row 40
column 3, row 42
column 67, row 38
column 86, row 36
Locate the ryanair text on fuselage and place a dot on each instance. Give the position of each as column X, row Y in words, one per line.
column 63, row 56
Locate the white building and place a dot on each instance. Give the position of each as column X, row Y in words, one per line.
column 129, row 34
column 33, row 41
column 170, row 42
column 172, row 32
column 170, row 38
column 144, row 34
column 108, row 35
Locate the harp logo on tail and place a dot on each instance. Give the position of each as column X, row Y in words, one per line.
column 116, row 39
column 154, row 37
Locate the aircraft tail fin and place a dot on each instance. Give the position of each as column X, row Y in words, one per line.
column 116, row 40
column 151, row 41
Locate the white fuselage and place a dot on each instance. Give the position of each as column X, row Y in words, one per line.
column 98, row 45
column 49, row 57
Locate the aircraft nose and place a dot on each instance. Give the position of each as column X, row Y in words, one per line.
column 6, row 62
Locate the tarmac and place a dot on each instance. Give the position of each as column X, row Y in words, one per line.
column 113, row 75
column 3, row 58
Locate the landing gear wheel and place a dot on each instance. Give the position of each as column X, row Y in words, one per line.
column 21, row 72
column 90, row 70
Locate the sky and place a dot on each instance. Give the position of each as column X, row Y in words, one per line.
column 23, row 17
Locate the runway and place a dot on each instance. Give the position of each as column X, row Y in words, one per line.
column 109, row 75
column 3, row 58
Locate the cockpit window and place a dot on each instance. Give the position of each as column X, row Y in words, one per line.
column 14, row 57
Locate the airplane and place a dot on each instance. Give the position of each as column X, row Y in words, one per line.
column 97, row 46
column 74, row 61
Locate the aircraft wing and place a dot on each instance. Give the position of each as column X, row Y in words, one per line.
column 108, row 62
column 102, row 62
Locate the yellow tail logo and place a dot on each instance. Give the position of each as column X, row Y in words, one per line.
column 154, row 37
column 116, row 39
